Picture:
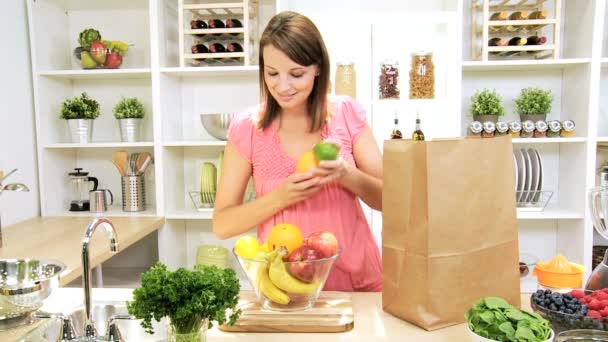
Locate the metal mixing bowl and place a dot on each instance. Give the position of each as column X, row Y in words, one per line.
column 25, row 284
column 217, row 124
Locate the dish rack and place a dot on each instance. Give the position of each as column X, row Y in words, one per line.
column 483, row 29
column 245, row 11
column 204, row 201
column 532, row 200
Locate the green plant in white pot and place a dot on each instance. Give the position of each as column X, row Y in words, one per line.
column 486, row 105
column 129, row 112
column 534, row 104
column 80, row 112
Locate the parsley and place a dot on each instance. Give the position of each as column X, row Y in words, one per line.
column 186, row 297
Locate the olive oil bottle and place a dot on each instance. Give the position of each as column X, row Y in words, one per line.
column 418, row 135
column 396, row 133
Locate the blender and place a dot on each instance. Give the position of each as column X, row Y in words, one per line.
column 80, row 189
column 598, row 202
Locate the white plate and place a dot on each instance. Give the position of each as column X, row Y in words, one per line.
column 540, row 177
column 528, row 186
column 521, row 170
column 515, row 173
column 535, row 174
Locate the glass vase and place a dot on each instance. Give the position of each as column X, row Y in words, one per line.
column 199, row 335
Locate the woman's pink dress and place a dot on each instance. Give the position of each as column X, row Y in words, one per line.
column 333, row 208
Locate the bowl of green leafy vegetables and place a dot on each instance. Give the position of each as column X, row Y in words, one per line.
column 493, row 319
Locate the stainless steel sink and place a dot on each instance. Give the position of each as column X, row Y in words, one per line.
column 101, row 313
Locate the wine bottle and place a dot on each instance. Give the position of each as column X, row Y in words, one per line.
column 217, row 48
column 216, row 24
column 418, row 135
column 497, row 42
column 517, row 15
column 536, row 40
column 517, row 41
column 234, row 47
column 199, row 48
column 497, row 16
column 542, row 14
column 198, row 24
column 233, row 23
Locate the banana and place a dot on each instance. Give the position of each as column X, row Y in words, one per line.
column 285, row 281
column 268, row 288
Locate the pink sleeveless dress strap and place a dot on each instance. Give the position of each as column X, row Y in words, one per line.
column 333, row 208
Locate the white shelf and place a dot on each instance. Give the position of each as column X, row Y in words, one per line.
column 194, row 143
column 517, row 65
column 215, row 70
column 82, row 74
column 605, row 61
column 114, row 210
column 99, row 145
column 549, row 140
column 189, row 214
column 549, row 214
column 602, row 139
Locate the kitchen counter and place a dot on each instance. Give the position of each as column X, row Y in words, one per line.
column 371, row 323
column 60, row 238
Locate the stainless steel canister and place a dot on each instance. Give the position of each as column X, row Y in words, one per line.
column 133, row 193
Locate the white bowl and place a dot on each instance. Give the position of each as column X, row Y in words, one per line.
column 477, row 338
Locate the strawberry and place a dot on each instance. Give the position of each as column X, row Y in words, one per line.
column 604, row 312
column 604, row 290
column 578, row 294
column 594, row 314
column 595, row 305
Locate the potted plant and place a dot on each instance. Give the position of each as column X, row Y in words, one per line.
column 80, row 113
column 191, row 299
column 534, row 104
column 129, row 112
column 486, row 105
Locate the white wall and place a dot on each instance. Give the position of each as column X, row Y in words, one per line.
column 17, row 128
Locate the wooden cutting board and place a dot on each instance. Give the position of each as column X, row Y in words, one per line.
column 333, row 312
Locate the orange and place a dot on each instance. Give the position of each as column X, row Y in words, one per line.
column 285, row 234
column 306, row 162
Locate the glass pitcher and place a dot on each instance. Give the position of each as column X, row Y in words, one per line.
column 598, row 201
column 80, row 189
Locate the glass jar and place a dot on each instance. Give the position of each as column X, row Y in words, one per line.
column 422, row 76
column 555, row 128
column 388, row 84
column 346, row 79
column 567, row 128
column 475, row 129
column 489, row 129
column 198, row 335
column 515, row 128
column 502, row 128
column 527, row 129
column 541, row 129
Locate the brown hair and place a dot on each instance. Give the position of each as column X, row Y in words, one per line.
column 297, row 37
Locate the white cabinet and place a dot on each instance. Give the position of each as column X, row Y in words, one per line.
column 360, row 31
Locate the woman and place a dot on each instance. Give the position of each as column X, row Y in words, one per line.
column 296, row 113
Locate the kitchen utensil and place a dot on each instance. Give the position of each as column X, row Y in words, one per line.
column 25, row 284
column 217, row 124
column 535, row 174
column 80, row 189
column 133, row 164
column 539, row 189
column 478, row 338
column 333, row 312
column 528, row 186
column 119, row 160
column 143, row 160
column 582, row 335
column 521, row 165
column 515, row 173
column 133, row 193
column 98, row 200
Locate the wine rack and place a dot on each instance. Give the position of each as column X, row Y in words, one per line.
column 215, row 41
column 510, row 33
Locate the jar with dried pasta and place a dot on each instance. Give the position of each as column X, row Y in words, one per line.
column 422, row 76
column 388, row 84
column 346, row 79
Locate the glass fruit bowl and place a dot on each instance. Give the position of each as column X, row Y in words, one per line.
column 561, row 321
column 286, row 286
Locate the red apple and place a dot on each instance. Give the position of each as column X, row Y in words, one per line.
column 324, row 242
column 301, row 269
column 99, row 52
column 113, row 60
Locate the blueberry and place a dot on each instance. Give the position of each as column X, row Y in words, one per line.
column 539, row 292
column 547, row 292
column 553, row 307
column 568, row 296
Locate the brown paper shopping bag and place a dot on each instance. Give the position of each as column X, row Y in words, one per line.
column 449, row 228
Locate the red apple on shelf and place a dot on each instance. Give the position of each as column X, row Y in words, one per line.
column 301, row 269
column 113, row 60
column 324, row 242
column 99, row 52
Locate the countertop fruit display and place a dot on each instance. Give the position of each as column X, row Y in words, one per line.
column 95, row 53
column 287, row 271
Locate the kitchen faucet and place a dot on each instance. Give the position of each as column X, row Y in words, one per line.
column 89, row 328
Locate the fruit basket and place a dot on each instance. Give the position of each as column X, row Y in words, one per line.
column 286, row 286
column 94, row 52
column 562, row 321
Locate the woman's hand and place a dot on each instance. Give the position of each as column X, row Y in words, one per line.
column 297, row 187
column 332, row 170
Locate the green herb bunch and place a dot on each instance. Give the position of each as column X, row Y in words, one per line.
column 82, row 107
column 186, row 297
column 129, row 108
column 497, row 320
column 486, row 102
column 533, row 101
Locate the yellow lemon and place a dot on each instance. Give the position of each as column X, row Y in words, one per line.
column 247, row 247
column 306, row 162
column 264, row 247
